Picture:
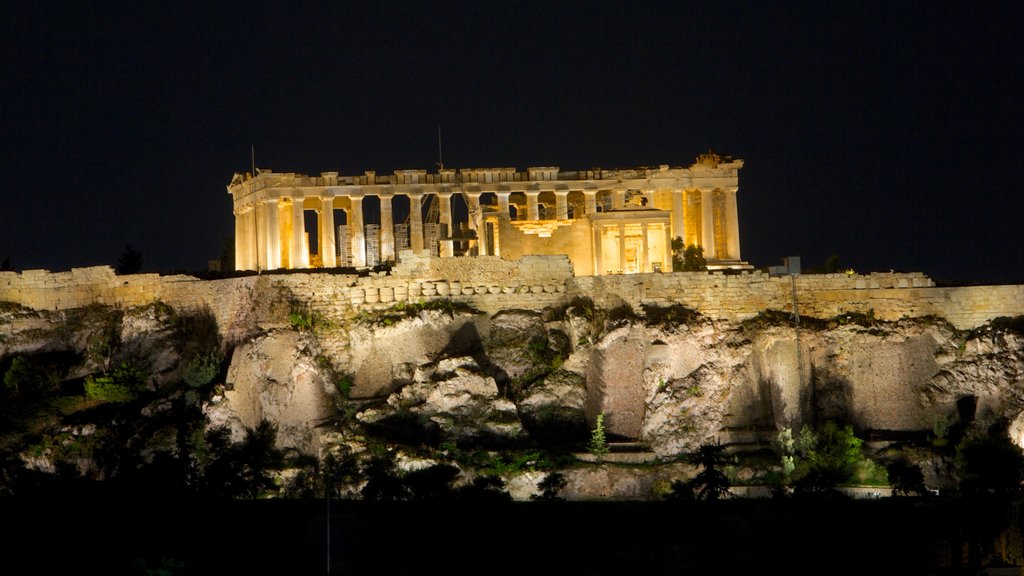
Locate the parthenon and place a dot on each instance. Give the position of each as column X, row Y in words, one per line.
column 618, row 221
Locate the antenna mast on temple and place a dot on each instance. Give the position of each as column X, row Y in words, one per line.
column 440, row 158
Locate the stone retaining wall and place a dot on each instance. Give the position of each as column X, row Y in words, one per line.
column 491, row 284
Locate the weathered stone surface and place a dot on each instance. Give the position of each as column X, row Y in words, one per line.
column 554, row 409
column 453, row 399
column 380, row 355
column 276, row 377
column 615, row 382
column 612, row 482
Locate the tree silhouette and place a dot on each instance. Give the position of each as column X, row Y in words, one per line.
column 710, row 483
column 130, row 261
column 687, row 258
column 991, row 463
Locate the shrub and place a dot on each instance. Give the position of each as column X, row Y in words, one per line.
column 105, row 389
column 551, row 487
column 123, row 384
column 202, row 369
column 303, row 319
column 598, row 443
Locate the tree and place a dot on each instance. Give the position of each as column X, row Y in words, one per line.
column 5, row 266
column 550, row 487
column 990, row 463
column 827, row 458
column 382, row 481
column 832, row 264
column 710, row 483
column 906, row 478
column 130, row 261
column 687, row 258
column 227, row 257
column 598, row 443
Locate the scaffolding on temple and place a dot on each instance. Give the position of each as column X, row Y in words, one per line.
column 401, row 238
column 344, row 243
column 372, row 232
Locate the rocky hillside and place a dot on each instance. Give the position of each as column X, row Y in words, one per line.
column 512, row 394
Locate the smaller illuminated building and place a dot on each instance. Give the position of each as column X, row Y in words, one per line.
column 605, row 221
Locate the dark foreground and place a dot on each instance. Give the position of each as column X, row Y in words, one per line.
column 888, row 536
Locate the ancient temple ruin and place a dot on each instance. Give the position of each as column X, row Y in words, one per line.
column 605, row 221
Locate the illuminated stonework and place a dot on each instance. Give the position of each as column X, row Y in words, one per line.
column 606, row 221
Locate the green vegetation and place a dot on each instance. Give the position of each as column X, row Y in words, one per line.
column 301, row 318
column 906, row 478
column 130, row 261
column 598, row 443
column 621, row 314
column 988, row 462
column 669, row 316
column 34, row 376
column 712, row 482
column 687, row 258
column 551, row 487
column 404, row 310
column 819, row 461
column 202, row 369
column 122, row 384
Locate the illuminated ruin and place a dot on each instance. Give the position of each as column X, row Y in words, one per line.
column 605, row 221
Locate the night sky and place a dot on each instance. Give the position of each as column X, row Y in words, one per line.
column 888, row 134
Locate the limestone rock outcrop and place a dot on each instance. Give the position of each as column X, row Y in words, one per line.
column 451, row 400
column 554, row 409
column 276, row 377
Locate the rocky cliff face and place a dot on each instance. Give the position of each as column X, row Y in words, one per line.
column 670, row 378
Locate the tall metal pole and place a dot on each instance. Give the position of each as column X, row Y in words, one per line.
column 796, row 329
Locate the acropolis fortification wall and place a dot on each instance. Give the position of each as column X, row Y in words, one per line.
column 491, row 284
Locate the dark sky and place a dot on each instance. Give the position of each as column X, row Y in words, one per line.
column 888, row 134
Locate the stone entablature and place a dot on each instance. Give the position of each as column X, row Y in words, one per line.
column 697, row 204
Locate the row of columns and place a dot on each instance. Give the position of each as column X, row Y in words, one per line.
column 644, row 261
column 258, row 228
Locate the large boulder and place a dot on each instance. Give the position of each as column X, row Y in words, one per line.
column 451, row 400
column 554, row 409
column 382, row 358
column 276, row 377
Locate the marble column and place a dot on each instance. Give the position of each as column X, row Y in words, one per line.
column 357, row 233
column 241, row 240
column 328, row 243
column 642, row 265
column 732, row 223
column 707, row 223
column 561, row 204
column 272, row 235
column 503, row 211
column 618, row 199
column 622, row 248
column 387, row 229
column 250, row 237
column 666, row 257
column 445, row 219
column 260, row 236
column 416, row 223
column 299, row 254
column 590, row 202
column 598, row 264
column 678, row 222
column 476, row 220
column 532, row 210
